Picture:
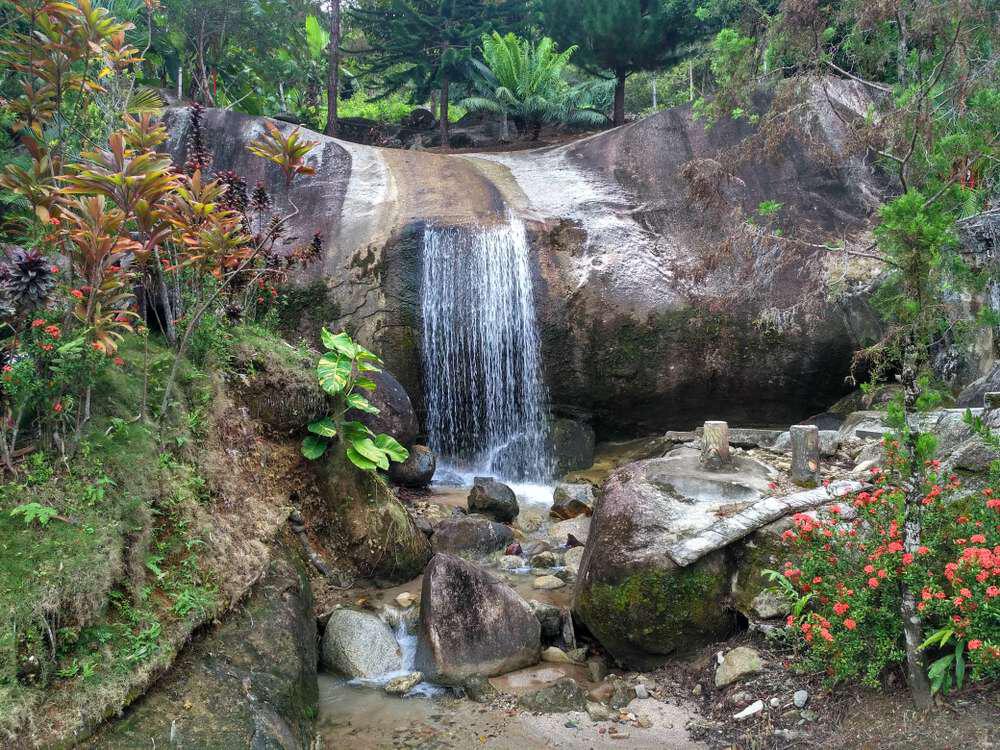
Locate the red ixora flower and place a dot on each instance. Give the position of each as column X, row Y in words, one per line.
column 119, row 361
column 850, row 624
column 873, row 583
column 57, row 407
column 974, row 644
column 37, row 323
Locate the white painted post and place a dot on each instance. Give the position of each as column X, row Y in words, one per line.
column 805, row 454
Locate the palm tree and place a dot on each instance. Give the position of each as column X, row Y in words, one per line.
column 520, row 80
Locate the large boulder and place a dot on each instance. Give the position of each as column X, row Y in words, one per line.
column 572, row 500
column 494, row 499
column 472, row 623
column 396, row 416
column 472, row 535
column 973, row 394
column 359, row 644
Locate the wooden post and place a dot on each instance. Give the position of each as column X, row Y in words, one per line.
column 715, row 446
column 805, row 454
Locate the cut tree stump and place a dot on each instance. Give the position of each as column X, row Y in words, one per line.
column 805, row 454
column 715, row 446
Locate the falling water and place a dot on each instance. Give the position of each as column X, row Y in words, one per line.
column 486, row 402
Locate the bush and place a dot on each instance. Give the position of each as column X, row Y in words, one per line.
column 848, row 565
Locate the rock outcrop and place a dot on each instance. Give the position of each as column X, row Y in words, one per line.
column 249, row 683
column 472, row 623
column 655, row 296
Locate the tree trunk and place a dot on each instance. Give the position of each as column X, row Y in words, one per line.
column 505, row 128
column 715, row 446
column 445, row 93
column 333, row 70
column 619, row 116
column 902, row 51
column 916, row 666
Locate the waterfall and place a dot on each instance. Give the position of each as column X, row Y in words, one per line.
column 486, row 402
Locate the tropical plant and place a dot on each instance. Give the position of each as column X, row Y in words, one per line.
column 343, row 373
column 287, row 151
column 524, row 81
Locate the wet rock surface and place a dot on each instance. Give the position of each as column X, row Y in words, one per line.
column 474, row 535
column 472, row 623
column 250, row 683
column 359, row 644
column 494, row 500
column 417, row 471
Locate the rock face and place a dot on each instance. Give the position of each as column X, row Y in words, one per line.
column 359, row 644
column 471, row 535
column 249, row 683
column 572, row 445
column 493, row 499
column 472, row 623
column 417, row 471
column 654, row 297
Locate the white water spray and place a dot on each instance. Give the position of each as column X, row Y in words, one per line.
column 486, row 402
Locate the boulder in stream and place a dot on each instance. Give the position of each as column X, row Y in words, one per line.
column 359, row 644
column 494, row 499
column 474, row 535
column 472, row 623
column 572, row 500
column 396, row 416
column 417, row 471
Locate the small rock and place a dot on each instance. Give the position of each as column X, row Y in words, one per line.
column 403, row 684
column 696, row 690
column 597, row 669
column 572, row 500
column 563, row 696
column 598, row 711
column 754, row 708
column 775, row 703
column 790, row 735
column 513, row 549
column 641, row 692
column 800, row 698
column 479, row 689
column 555, row 655
column 741, row 698
column 547, row 583
column 495, row 500
column 644, row 722
column 550, row 618
column 736, row 664
column 544, row 560
column 406, row 600
column 770, row 604
column 510, row 562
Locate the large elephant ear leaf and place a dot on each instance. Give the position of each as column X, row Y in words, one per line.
column 359, row 460
column 359, row 402
column 367, row 383
column 313, row 447
column 324, row 428
column 369, row 450
column 340, row 343
column 391, row 447
column 334, row 373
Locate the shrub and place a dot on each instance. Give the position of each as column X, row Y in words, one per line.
column 849, row 562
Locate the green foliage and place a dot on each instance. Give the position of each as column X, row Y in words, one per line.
column 731, row 65
column 524, row 81
column 343, row 373
column 32, row 512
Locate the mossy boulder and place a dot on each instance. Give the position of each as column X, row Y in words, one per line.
column 762, row 550
column 369, row 523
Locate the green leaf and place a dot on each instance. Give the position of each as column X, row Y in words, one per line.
column 334, row 373
column 313, row 447
column 959, row 664
column 367, row 384
column 340, row 343
column 317, row 38
column 372, row 452
column 355, row 430
column 359, row 402
column 324, row 427
column 391, row 447
column 360, row 461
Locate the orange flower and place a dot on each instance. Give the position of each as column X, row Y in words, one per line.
column 77, row 293
column 873, row 583
column 57, row 407
column 850, row 624
column 974, row 644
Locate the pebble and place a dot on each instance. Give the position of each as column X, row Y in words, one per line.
column 641, row 692
column 754, row 708
column 696, row 690
column 775, row 703
column 403, row 684
column 548, row 582
column 598, row 711
column 406, row 600
column 809, row 715
column 800, row 698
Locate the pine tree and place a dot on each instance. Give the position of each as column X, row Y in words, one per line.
column 621, row 36
column 427, row 43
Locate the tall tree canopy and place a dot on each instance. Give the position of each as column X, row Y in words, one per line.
column 621, row 36
column 427, row 43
